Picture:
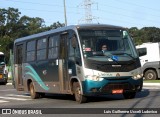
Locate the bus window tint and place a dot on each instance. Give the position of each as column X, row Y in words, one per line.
column 41, row 49
column 53, row 47
column 31, row 50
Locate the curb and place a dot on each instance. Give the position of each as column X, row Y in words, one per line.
column 155, row 86
column 152, row 84
column 9, row 84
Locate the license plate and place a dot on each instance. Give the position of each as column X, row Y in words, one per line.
column 0, row 75
column 117, row 91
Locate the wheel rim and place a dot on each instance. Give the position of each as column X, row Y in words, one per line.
column 78, row 93
column 150, row 76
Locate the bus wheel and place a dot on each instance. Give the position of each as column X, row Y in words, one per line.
column 129, row 95
column 77, row 93
column 34, row 95
column 150, row 75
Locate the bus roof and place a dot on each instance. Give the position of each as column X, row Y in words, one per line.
column 86, row 26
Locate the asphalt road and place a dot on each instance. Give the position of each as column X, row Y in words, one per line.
column 101, row 105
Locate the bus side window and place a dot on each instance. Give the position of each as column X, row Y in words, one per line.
column 31, row 50
column 41, row 49
column 53, row 47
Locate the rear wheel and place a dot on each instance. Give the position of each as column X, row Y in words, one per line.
column 77, row 93
column 150, row 75
column 34, row 95
column 129, row 95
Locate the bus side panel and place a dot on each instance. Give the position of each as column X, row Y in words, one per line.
column 42, row 76
column 48, row 72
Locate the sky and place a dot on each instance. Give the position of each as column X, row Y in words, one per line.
column 126, row 13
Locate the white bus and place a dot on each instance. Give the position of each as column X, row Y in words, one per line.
column 69, row 60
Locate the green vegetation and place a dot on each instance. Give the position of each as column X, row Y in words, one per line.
column 146, row 34
column 12, row 26
column 151, row 81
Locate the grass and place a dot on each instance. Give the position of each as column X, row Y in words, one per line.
column 151, row 81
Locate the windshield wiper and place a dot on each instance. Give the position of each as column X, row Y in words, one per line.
column 123, row 53
column 129, row 55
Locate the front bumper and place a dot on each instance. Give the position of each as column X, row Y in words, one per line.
column 107, row 85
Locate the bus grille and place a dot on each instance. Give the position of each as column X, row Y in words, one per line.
column 110, row 68
column 112, row 86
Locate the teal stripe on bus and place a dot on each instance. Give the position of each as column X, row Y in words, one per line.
column 34, row 75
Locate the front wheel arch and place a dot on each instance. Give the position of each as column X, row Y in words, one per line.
column 75, row 79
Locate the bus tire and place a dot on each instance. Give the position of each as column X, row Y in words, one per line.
column 34, row 95
column 77, row 93
column 150, row 75
column 129, row 95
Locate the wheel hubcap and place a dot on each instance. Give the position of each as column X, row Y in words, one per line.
column 150, row 76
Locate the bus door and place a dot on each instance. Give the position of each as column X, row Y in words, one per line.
column 63, row 63
column 18, row 67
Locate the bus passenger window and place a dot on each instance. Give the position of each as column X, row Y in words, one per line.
column 53, row 47
column 31, row 50
column 41, row 49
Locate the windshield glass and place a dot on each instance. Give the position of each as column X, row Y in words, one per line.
column 107, row 45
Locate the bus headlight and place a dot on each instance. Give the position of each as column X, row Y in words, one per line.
column 138, row 76
column 93, row 78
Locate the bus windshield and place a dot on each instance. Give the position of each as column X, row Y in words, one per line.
column 107, row 45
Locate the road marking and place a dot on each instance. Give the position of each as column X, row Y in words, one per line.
column 8, row 90
column 9, row 84
column 14, row 95
column 3, row 101
column 151, row 87
column 13, row 98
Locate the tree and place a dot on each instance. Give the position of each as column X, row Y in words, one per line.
column 146, row 34
column 56, row 25
column 12, row 26
column 8, row 21
column 150, row 34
